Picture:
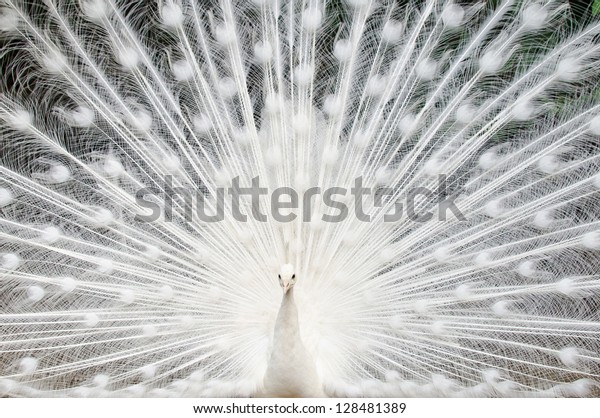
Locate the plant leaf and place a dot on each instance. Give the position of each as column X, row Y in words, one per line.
column 596, row 7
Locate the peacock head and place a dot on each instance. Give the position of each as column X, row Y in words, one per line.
column 287, row 277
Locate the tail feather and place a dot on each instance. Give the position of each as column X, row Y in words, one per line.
column 485, row 114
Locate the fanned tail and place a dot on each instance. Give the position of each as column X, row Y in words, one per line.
column 485, row 115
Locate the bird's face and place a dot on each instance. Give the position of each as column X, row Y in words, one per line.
column 287, row 277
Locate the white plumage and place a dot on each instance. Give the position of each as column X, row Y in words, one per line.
column 103, row 99
column 291, row 370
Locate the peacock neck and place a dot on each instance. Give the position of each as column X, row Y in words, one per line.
column 291, row 371
column 287, row 332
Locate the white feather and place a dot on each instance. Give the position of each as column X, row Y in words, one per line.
column 100, row 100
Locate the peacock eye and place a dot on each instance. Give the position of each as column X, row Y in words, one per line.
column 293, row 276
column 279, row 275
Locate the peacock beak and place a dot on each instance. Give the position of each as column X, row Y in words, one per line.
column 286, row 287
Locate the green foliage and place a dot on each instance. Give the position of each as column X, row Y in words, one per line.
column 596, row 7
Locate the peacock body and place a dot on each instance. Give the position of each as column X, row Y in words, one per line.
column 118, row 119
